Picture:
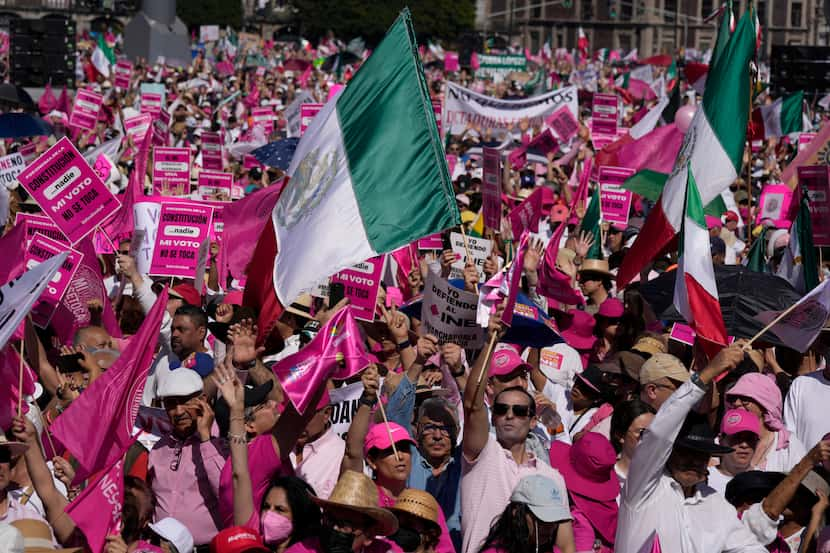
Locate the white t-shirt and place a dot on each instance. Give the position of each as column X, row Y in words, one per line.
column 805, row 412
column 718, row 480
column 783, row 460
column 560, row 364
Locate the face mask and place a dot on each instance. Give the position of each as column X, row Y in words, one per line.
column 407, row 538
column 276, row 528
column 334, row 541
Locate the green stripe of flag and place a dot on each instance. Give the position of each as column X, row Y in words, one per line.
column 649, row 184
column 792, row 113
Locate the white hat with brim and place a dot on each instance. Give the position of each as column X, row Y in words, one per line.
column 175, row 532
column 543, row 497
column 181, row 382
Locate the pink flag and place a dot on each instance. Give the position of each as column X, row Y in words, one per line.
column 336, row 352
column 451, row 62
column 510, row 285
column 97, row 510
column 526, row 215
column 9, row 392
column 518, row 157
column 655, row 545
column 474, row 60
column 244, row 221
column 656, row 150
column 63, row 104
column 47, row 101
column 553, row 283
column 405, row 257
column 584, row 179
column 306, row 75
column 13, row 246
column 544, row 142
column 97, row 428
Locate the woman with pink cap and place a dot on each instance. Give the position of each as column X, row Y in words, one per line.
column 778, row 449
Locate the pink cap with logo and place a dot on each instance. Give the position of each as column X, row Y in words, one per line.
column 738, row 420
column 506, row 361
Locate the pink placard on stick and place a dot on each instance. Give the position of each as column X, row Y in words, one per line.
column 815, row 179
column 491, row 188
column 683, row 334
column 171, row 171
column 451, row 63
column 431, row 242
column 775, row 204
column 263, row 117
column 181, row 240
column 212, row 154
column 39, row 224
column 563, row 123
column 85, row 109
column 39, row 250
column 307, row 113
column 214, row 183
column 526, row 215
column 615, row 201
column 137, row 126
column 361, row 283
column 151, row 103
column 804, row 139
column 604, row 114
column 68, row 190
column 123, row 74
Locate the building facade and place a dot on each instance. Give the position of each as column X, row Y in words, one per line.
column 651, row 26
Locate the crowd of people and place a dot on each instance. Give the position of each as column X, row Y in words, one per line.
column 608, row 435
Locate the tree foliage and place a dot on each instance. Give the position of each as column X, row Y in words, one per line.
column 210, row 12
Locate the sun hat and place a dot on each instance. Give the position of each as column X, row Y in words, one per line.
column 763, row 390
column 591, row 377
column 713, row 222
column 175, row 532
column 15, row 448
column 378, row 437
column 579, row 331
column 543, row 497
column 37, row 537
column 697, row 435
column 301, row 306
column 419, row 504
column 663, row 365
column 356, row 492
column 587, row 466
column 599, row 266
column 649, row 345
column 506, row 361
column 237, row 539
column 611, row 308
column 738, row 420
column 179, row 382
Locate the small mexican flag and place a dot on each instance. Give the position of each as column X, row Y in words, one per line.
column 780, row 118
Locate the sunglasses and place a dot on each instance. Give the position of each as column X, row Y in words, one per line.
column 402, row 447
column 439, row 428
column 521, row 411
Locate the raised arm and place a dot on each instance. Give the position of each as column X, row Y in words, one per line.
column 353, row 457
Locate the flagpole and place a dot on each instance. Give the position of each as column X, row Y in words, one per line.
column 20, row 381
column 489, row 353
column 772, row 323
column 748, row 193
column 388, row 428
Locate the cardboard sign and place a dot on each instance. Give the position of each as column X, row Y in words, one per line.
column 171, row 171
column 11, row 166
column 263, row 117
column 123, row 74
column 212, row 155
column 361, row 283
column 39, row 250
column 136, row 127
column 775, row 204
column 344, row 402
column 480, row 249
column 491, row 188
column 39, row 224
column 68, row 190
column 815, row 179
column 182, row 241
column 526, row 215
column 307, row 113
column 431, row 242
column 85, row 109
column 449, row 313
column 436, row 109
column 213, row 183
column 614, row 201
column 563, row 123
column 151, row 102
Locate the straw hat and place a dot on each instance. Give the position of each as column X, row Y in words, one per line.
column 418, row 504
column 355, row 491
column 15, row 448
column 599, row 266
column 37, row 537
column 301, row 306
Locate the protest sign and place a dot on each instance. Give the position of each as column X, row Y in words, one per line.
column 11, row 166
column 85, row 109
column 40, row 249
column 775, row 204
column 682, row 333
column 451, row 63
column 449, row 313
column 436, row 109
column 344, row 404
column 604, row 115
column 68, row 190
column 171, row 171
column 480, row 249
column 123, row 74
column 151, row 102
column 104, row 168
column 804, row 139
column 217, row 226
column 361, row 283
column 498, row 66
column 563, row 123
column 431, row 242
column 161, row 128
column 208, row 33
column 463, row 107
column 137, row 126
column 526, row 215
column 491, row 188
column 182, row 241
column 614, row 200
column 146, row 220
column 263, row 117
column 214, row 183
column 307, row 113
column 815, row 179
column 39, row 224
column 212, row 155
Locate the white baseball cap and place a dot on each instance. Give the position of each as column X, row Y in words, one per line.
column 179, row 382
column 175, row 532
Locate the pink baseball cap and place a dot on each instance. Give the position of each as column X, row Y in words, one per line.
column 738, row 420
column 378, row 437
column 713, row 222
column 506, row 361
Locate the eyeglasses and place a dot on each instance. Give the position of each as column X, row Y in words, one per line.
column 439, row 428
column 521, row 411
column 177, row 458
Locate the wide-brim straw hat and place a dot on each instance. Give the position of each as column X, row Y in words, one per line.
column 16, row 448
column 356, row 492
column 599, row 266
column 419, row 504
column 37, row 537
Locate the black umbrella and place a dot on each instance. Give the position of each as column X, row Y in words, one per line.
column 742, row 295
column 277, row 154
column 18, row 125
column 16, row 96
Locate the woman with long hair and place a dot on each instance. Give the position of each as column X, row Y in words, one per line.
column 629, row 421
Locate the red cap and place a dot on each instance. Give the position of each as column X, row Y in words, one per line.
column 237, row 539
column 188, row 293
column 731, row 216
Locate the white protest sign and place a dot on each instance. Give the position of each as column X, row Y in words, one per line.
column 146, row 217
column 480, row 249
column 11, row 166
column 343, row 406
column 449, row 314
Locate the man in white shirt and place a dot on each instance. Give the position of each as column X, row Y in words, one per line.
column 666, row 494
column 805, row 412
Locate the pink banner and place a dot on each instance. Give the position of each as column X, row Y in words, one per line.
column 683, row 334
column 171, row 171
column 40, row 249
column 775, row 204
column 361, row 284
column 151, row 103
column 263, row 117
column 437, row 108
column 526, row 215
column 123, row 73
column 85, row 109
column 615, row 201
column 39, row 224
column 214, row 184
column 307, row 113
column 491, row 188
column 181, row 240
column 68, row 190
column 431, row 242
column 212, row 151
column 604, row 115
column 815, row 179
column 97, row 510
column 136, row 127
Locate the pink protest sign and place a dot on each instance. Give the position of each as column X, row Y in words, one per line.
column 815, row 179
column 604, row 114
column 614, row 200
column 361, row 283
column 544, row 143
column 451, row 62
column 775, row 204
column 161, row 131
column 171, row 171
column 217, row 226
column 263, row 117
column 151, row 103
column 307, row 113
column 526, row 215
column 85, row 110
column 683, row 334
column 182, row 240
column 123, row 73
column 136, row 127
column 39, row 250
column 431, row 242
column 563, row 123
column 213, row 184
column 491, row 188
column 804, row 139
column 103, row 167
column 68, row 190
column 437, row 109
column 212, row 151
column 39, row 224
